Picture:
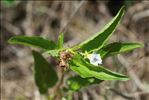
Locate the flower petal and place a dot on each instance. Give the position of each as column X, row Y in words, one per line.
column 95, row 59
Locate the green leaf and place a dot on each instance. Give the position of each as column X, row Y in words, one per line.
column 75, row 83
column 34, row 41
column 83, row 68
column 117, row 48
column 45, row 75
column 60, row 41
column 98, row 40
column 54, row 53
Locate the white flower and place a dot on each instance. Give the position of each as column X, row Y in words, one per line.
column 94, row 59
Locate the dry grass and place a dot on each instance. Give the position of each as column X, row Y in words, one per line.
column 79, row 20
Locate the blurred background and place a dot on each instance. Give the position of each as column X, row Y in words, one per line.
column 78, row 20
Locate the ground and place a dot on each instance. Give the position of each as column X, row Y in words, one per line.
column 78, row 20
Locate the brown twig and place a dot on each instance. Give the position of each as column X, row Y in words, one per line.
column 11, row 28
column 63, row 29
column 121, row 94
column 132, row 74
column 29, row 18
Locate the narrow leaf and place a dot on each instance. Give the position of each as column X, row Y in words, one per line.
column 60, row 41
column 34, row 41
column 83, row 68
column 98, row 40
column 45, row 75
column 117, row 48
column 75, row 83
